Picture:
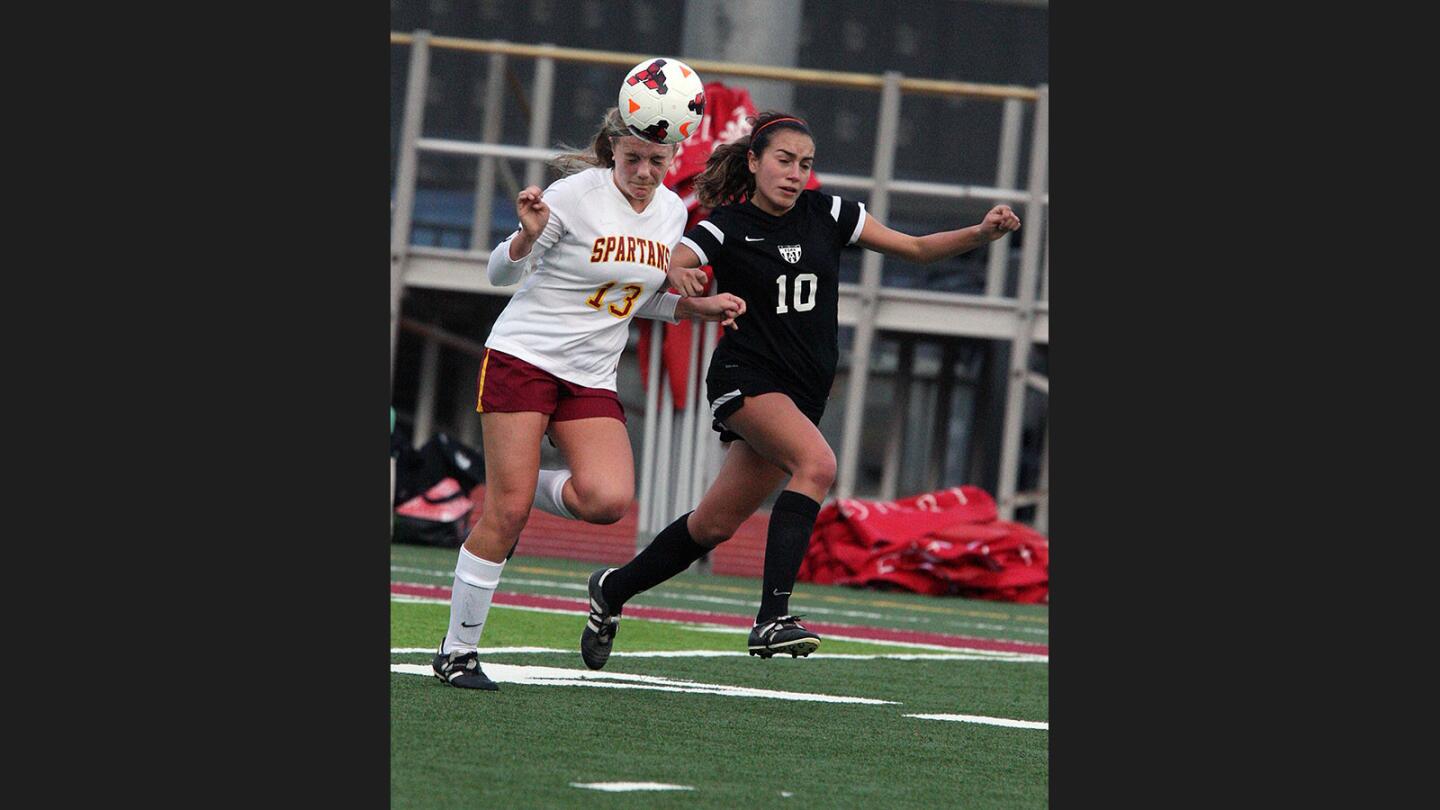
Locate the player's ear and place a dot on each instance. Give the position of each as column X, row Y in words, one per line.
column 752, row 161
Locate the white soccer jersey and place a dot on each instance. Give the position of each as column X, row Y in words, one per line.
column 597, row 264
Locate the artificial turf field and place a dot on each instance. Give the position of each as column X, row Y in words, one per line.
column 681, row 704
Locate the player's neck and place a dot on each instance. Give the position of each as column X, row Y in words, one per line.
column 764, row 204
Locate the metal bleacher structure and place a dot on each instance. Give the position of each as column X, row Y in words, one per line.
column 680, row 452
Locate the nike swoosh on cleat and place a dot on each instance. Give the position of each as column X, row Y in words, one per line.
column 757, row 239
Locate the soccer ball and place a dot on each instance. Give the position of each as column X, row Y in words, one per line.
column 662, row 100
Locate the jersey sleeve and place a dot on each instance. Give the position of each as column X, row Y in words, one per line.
column 660, row 307
column 849, row 219
column 707, row 238
column 504, row 272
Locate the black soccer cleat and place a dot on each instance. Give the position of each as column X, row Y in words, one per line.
column 783, row 634
column 462, row 669
column 600, row 627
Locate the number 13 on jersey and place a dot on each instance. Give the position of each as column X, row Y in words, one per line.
column 632, row 292
column 805, row 286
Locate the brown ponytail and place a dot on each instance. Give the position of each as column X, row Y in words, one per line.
column 727, row 176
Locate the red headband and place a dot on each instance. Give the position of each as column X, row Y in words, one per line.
column 776, row 121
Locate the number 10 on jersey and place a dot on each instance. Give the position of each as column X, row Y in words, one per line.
column 805, row 286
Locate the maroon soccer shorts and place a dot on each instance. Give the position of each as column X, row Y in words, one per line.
column 509, row 384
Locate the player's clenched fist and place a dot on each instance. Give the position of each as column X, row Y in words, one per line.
column 727, row 308
column 722, row 307
column 533, row 212
column 999, row 221
column 688, row 280
column 732, row 308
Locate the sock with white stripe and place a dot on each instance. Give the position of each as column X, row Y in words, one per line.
column 791, row 521
column 672, row 551
column 470, row 595
column 550, row 493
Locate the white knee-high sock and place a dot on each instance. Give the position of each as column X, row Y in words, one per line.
column 549, row 489
column 470, row 594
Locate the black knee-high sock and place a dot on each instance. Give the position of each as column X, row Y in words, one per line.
column 668, row 554
column 791, row 522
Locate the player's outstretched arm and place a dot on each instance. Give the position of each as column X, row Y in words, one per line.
column 508, row 260
column 998, row 221
column 534, row 216
column 684, row 272
column 722, row 307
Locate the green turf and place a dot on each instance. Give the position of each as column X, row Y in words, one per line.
column 739, row 595
column 422, row 625
column 523, row 746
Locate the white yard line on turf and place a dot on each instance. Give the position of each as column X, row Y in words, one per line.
column 978, row 655
column 917, row 645
column 620, row 787
column 425, row 600
column 557, row 676
column 989, row 721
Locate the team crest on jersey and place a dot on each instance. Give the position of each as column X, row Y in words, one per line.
column 790, row 252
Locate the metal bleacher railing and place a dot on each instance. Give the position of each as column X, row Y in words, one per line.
column 673, row 481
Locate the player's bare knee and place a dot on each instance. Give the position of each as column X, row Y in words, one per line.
column 711, row 532
column 817, row 470
column 601, row 503
column 607, row 509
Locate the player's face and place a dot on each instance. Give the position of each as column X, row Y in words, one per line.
column 783, row 170
column 640, row 166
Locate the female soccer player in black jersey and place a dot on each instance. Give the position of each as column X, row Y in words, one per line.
column 777, row 246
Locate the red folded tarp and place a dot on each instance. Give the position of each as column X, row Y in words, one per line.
column 948, row 542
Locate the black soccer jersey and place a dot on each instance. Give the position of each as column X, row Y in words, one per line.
column 787, row 268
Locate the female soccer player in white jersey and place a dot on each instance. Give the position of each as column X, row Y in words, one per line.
column 596, row 245
column 778, row 247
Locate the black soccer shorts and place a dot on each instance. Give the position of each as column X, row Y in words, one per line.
column 728, row 383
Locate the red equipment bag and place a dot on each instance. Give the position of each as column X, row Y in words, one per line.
column 439, row 516
column 948, row 542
